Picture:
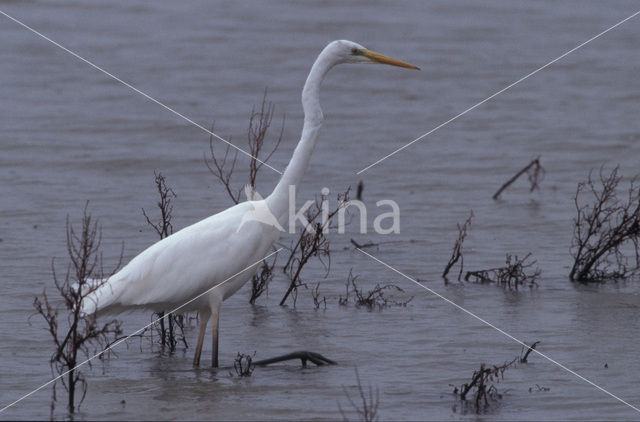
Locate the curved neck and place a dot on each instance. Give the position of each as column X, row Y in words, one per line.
column 278, row 201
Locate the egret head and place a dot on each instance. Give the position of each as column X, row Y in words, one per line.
column 351, row 52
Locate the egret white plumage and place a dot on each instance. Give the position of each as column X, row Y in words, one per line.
column 216, row 251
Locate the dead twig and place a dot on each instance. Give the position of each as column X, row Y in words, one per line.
column 311, row 243
column 539, row 388
column 606, row 229
column 368, row 410
column 484, row 391
column 535, row 173
column 374, row 298
column 260, row 281
column 456, row 253
column 363, row 245
column 316, row 298
column 164, row 228
column 481, row 386
column 360, row 190
column 223, row 165
column 514, row 274
column 303, row 355
column 243, row 364
column 75, row 333
column 524, row 355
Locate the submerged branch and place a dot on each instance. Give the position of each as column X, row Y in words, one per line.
column 535, row 172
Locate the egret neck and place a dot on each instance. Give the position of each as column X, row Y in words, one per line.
column 278, row 201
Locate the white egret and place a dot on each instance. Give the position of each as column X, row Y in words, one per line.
column 218, row 250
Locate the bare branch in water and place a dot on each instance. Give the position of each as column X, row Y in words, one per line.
column 484, row 392
column 303, row 355
column 525, row 352
column 535, row 173
column 311, row 243
column 456, row 253
column 606, row 229
column 315, row 293
column 243, row 364
column 75, row 333
column 363, row 245
column 374, row 298
column 368, row 410
column 512, row 275
column 164, row 228
column 260, row 281
column 360, row 190
column 223, row 165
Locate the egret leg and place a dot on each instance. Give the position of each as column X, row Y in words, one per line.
column 214, row 353
column 204, row 319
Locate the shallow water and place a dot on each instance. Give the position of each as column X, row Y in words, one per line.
column 70, row 134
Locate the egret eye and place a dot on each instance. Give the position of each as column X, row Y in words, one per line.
column 356, row 52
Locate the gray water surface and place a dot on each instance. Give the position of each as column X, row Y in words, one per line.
column 71, row 134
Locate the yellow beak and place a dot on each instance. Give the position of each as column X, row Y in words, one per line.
column 379, row 58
